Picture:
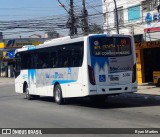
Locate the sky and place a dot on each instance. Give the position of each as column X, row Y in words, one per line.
column 22, row 9
column 15, row 10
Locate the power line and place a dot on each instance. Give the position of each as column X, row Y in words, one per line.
column 54, row 23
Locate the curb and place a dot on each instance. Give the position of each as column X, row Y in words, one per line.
column 143, row 88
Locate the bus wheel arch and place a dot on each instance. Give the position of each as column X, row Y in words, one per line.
column 26, row 91
column 25, row 85
column 58, row 97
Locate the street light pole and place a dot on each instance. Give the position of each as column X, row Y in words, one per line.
column 117, row 23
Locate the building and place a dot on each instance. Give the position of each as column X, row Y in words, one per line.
column 132, row 16
column 140, row 18
column 7, row 51
column 51, row 34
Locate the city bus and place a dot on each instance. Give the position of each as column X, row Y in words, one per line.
column 95, row 66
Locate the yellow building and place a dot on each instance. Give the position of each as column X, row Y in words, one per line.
column 2, row 45
column 148, row 60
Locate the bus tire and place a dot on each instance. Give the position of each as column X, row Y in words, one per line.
column 58, row 95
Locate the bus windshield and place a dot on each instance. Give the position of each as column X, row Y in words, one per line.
column 111, row 46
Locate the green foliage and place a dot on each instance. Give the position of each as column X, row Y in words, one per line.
column 94, row 29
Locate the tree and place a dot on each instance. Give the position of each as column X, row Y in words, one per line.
column 94, row 29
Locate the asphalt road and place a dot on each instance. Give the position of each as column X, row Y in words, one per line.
column 124, row 111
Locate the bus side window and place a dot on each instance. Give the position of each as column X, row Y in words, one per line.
column 53, row 57
column 43, row 58
column 62, row 57
column 65, row 62
column 18, row 64
column 76, row 59
column 54, row 62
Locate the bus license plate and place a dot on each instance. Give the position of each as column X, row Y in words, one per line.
column 114, row 78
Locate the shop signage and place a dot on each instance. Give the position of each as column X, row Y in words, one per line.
column 14, row 43
column 152, row 44
column 152, row 22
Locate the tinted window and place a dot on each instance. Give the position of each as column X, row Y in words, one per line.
column 43, row 58
column 53, row 61
column 68, row 55
column 18, row 61
column 29, row 60
column 110, row 46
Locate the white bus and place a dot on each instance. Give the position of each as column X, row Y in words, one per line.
column 96, row 65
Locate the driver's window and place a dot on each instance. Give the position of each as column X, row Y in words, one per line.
column 18, row 62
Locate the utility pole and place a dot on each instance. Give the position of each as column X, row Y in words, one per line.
column 117, row 23
column 71, row 23
column 73, row 28
column 84, row 18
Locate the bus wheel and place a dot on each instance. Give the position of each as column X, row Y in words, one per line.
column 58, row 95
column 28, row 96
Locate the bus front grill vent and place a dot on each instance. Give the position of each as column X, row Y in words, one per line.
column 113, row 89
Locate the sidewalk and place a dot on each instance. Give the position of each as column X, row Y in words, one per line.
column 146, row 88
column 142, row 89
column 5, row 81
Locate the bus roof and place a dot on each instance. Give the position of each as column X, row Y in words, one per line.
column 52, row 42
column 62, row 40
column 67, row 39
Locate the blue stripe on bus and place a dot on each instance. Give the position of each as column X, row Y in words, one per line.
column 31, row 47
column 62, row 81
column 31, row 73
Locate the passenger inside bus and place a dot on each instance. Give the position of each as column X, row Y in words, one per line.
column 65, row 63
column 44, row 65
column 55, row 62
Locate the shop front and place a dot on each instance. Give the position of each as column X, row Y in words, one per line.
column 7, row 54
column 148, row 61
column 3, row 63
